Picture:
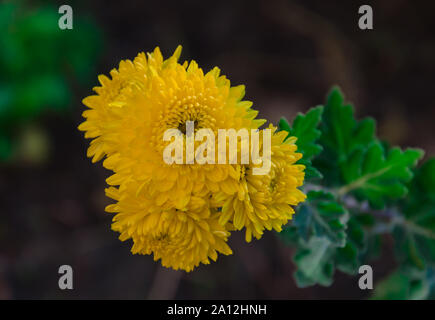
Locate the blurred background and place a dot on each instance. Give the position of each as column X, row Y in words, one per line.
column 287, row 53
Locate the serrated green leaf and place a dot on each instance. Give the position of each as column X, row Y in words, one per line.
column 304, row 127
column 321, row 216
column 414, row 233
column 313, row 262
column 349, row 258
column 346, row 258
column 377, row 175
column 284, row 125
column 353, row 156
column 317, row 258
column 340, row 131
column 343, row 139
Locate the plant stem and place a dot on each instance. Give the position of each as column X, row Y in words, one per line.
column 361, row 181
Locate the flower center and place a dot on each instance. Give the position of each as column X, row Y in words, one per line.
column 182, row 126
column 197, row 108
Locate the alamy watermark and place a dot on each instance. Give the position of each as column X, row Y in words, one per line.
column 366, row 280
column 205, row 153
column 365, row 21
column 66, row 20
column 66, row 278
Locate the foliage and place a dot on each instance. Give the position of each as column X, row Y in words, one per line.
column 39, row 64
column 358, row 189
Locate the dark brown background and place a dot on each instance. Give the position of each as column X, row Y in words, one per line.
column 288, row 54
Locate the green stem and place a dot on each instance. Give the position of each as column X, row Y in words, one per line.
column 408, row 225
column 418, row 229
column 358, row 183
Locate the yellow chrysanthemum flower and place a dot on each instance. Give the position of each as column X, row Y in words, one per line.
column 182, row 239
column 182, row 213
column 258, row 202
column 146, row 97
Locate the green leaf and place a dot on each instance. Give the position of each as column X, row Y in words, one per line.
column 349, row 258
column 304, row 127
column 317, row 258
column 377, row 175
column 284, row 125
column 321, row 216
column 346, row 258
column 414, row 240
column 426, row 180
column 319, row 231
column 314, row 263
column 340, row 131
column 404, row 286
column 407, row 249
column 341, row 135
column 355, row 158
column 414, row 233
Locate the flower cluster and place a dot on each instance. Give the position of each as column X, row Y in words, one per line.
column 183, row 213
